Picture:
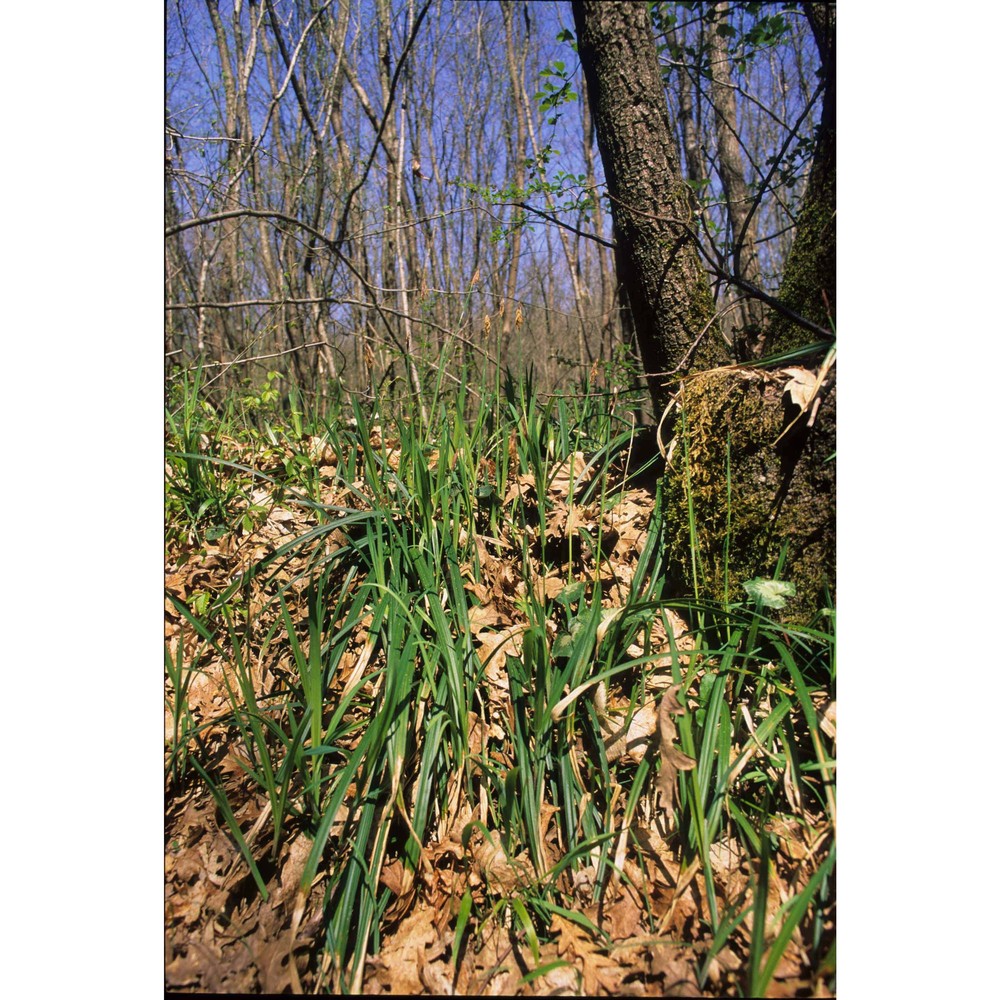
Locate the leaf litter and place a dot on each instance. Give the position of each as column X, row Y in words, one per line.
column 643, row 931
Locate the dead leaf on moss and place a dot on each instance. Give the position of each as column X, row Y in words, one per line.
column 801, row 386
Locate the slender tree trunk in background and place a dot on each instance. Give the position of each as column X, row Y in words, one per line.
column 694, row 158
column 665, row 281
column 259, row 138
column 398, row 248
column 302, row 374
column 580, row 295
column 610, row 326
column 269, row 262
column 748, row 333
column 426, row 262
column 515, row 143
column 363, row 252
column 220, row 332
column 179, row 268
column 389, row 144
column 399, row 216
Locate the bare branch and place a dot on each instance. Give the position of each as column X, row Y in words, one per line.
column 715, row 266
column 774, row 166
column 258, row 357
column 246, row 303
column 565, row 225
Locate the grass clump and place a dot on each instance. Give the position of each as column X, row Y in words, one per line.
column 416, row 670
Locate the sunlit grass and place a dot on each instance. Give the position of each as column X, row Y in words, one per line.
column 365, row 736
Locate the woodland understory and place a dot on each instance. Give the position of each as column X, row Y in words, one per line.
column 500, row 481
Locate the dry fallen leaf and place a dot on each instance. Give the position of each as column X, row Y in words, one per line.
column 672, row 760
column 801, row 387
column 677, row 969
column 804, row 387
column 407, row 951
column 493, row 866
column 569, row 475
column 651, row 903
column 631, row 739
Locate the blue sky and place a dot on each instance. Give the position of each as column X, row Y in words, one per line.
column 194, row 103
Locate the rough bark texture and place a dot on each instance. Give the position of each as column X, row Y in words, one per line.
column 809, row 284
column 755, row 479
column 664, row 281
column 760, row 482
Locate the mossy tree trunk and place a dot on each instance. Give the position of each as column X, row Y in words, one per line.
column 809, row 281
column 758, row 486
column 750, row 467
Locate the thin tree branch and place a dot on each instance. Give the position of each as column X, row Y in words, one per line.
column 290, row 62
column 774, row 166
column 720, row 272
column 291, row 220
column 259, row 357
column 565, row 225
column 754, row 292
column 246, row 303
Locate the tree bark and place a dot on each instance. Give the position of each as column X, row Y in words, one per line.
column 749, row 487
column 747, row 336
column 516, row 140
column 664, row 280
column 809, row 282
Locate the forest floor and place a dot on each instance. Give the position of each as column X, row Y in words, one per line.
column 487, row 896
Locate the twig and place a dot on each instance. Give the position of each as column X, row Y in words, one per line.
column 774, row 166
column 565, row 225
column 349, row 199
column 257, row 357
column 720, row 272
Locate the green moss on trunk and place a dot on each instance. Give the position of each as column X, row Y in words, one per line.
column 748, row 492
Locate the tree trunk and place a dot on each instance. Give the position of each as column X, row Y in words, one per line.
column 749, row 486
column 732, row 166
column 665, row 283
column 697, row 172
column 516, row 140
column 611, row 329
column 223, row 329
column 809, row 282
